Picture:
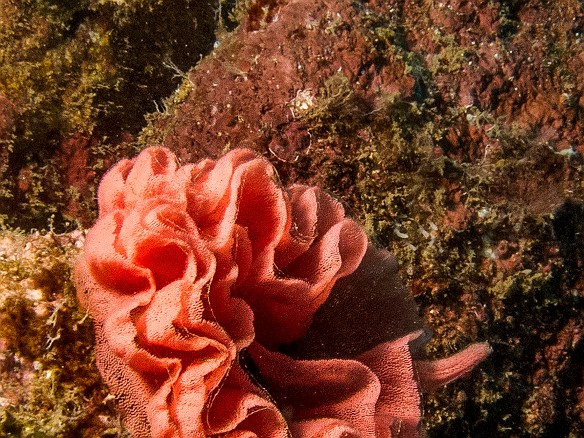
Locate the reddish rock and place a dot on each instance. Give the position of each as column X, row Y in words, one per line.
column 7, row 115
column 254, row 87
column 76, row 158
column 417, row 113
column 493, row 91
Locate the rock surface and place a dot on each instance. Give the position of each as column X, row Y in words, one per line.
column 451, row 129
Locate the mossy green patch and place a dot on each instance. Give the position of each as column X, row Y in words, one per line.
column 92, row 70
column 50, row 386
column 481, row 247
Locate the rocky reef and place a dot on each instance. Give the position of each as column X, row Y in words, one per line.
column 452, row 130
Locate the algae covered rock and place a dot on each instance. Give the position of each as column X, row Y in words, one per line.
column 451, row 129
column 47, row 383
column 80, row 76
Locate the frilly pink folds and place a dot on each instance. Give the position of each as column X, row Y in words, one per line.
column 201, row 278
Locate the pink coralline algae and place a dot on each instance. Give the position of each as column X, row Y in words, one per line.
column 199, row 276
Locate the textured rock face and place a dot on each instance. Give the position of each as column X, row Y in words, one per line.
column 81, row 76
column 261, row 80
column 7, row 114
column 475, row 57
column 451, row 130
